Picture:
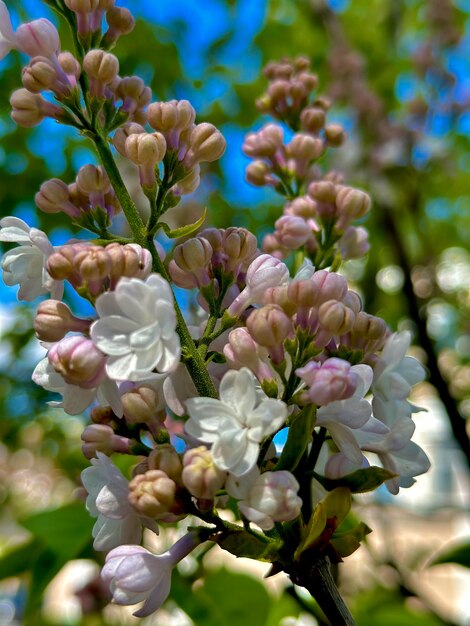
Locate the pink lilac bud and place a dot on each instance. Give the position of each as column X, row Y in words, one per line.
column 192, row 257
column 303, row 293
column 101, row 438
column 303, row 207
column 133, row 92
column 142, row 405
column 83, row 10
column 92, row 263
column 102, row 68
column 271, row 245
column 313, row 119
column 53, row 197
column 335, row 317
column 200, row 476
column 353, row 301
column 269, row 327
column 330, row 286
column 78, row 361
column 354, row 243
column 206, row 144
column 323, row 191
column 120, row 22
column 69, row 65
column 93, row 182
column 102, row 415
column 146, row 150
column 242, row 351
column 122, row 133
column 54, row 320
column 259, row 174
column 129, row 260
column 29, row 109
column 330, row 381
column 351, row 204
column 171, row 118
column 280, row 296
column 264, row 272
column 38, row 39
column 39, row 75
column 335, row 135
column 165, row 458
column 264, row 143
column 240, row 246
column 301, row 151
column 292, row 232
column 154, row 495
column 61, row 264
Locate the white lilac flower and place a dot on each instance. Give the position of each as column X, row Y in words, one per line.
column 272, row 498
column 76, row 399
column 345, row 418
column 134, row 574
column 108, row 492
column 26, row 264
column 236, row 424
column 137, row 328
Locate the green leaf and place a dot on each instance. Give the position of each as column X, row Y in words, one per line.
column 183, row 231
column 349, row 541
column 65, row 531
column 18, row 560
column 243, row 543
column 458, row 554
column 359, row 481
column 300, row 434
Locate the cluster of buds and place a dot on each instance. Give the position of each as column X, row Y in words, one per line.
column 214, row 260
column 89, row 16
column 93, row 269
column 89, row 197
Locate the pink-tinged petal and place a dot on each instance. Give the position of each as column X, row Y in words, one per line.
column 121, row 367
column 111, row 334
column 40, row 240
column 352, row 412
column 156, row 599
column 14, row 230
column 365, row 375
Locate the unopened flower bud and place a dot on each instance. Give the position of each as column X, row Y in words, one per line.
column 280, row 295
column 352, row 202
column 353, row 301
column 259, row 173
column 171, row 116
column 240, row 245
column 29, row 109
column 200, row 475
column 38, row 38
column 265, row 142
column 122, row 133
column 207, row 144
column 39, row 75
column 153, row 494
column 292, row 232
column 92, row 179
column 102, row 415
column 269, row 326
column 189, row 183
column 69, row 64
column 142, row 404
column 102, row 67
column 54, row 319
column 193, row 256
column 303, row 293
column 313, row 119
column 120, row 22
column 146, row 150
column 335, row 317
column 129, row 260
column 304, row 147
column 301, row 207
column 323, row 191
column 93, row 264
column 78, row 361
column 329, row 381
column 354, row 243
column 53, row 197
column 82, row 6
column 101, row 438
column 165, row 458
column 132, row 90
column 329, row 285
column 370, row 327
column 61, row 264
column 335, row 135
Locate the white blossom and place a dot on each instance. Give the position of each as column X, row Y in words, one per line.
column 137, row 328
column 134, row 574
column 108, row 491
column 345, row 418
column 236, row 424
column 76, row 399
column 272, row 498
column 26, row 264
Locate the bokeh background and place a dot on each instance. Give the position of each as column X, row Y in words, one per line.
column 398, row 72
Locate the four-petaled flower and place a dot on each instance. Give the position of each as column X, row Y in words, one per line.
column 108, row 492
column 137, row 328
column 236, row 424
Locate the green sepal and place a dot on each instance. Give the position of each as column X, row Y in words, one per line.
column 270, row 388
column 250, row 545
column 183, row 231
column 300, row 434
column 349, row 541
column 360, row 481
column 459, row 554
